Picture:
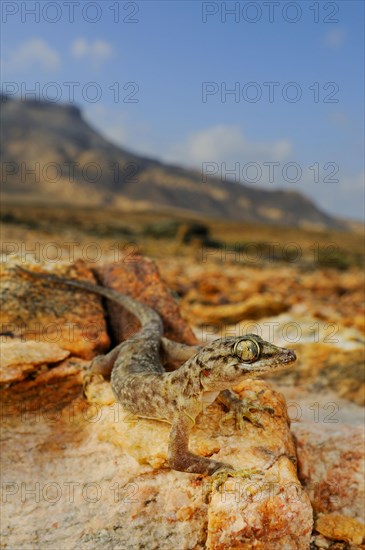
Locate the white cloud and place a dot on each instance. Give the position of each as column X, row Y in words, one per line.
column 96, row 52
column 33, row 54
column 335, row 38
column 226, row 144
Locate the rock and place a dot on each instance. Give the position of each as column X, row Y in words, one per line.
column 324, row 395
column 19, row 358
column 321, row 366
column 331, row 467
column 323, row 294
column 106, row 478
column 256, row 307
column 80, row 468
column 45, row 312
column 139, row 277
column 267, row 514
column 50, row 391
column 342, row 528
column 269, row 509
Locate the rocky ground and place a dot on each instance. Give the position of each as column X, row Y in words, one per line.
column 76, row 476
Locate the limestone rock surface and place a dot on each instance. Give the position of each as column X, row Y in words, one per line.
column 39, row 310
column 19, row 358
column 265, row 505
column 79, row 474
column 332, row 468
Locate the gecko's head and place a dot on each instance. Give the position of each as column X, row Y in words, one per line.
column 228, row 361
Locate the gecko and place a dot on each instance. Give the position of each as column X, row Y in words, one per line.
column 144, row 388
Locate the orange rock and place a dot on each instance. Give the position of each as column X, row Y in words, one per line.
column 323, row 366
column 45, row 312
column 255, row 307
column 331, row 467
column 339, row 527
column 269, row 510
column 19, row 358
column 141, row 279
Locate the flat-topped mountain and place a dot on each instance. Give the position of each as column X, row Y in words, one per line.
column 51, row 154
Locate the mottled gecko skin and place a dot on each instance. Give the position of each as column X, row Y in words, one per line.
column 144, row 388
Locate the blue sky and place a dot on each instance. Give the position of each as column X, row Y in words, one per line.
column 153, row 76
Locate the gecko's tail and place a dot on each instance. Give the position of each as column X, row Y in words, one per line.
column 145, row 314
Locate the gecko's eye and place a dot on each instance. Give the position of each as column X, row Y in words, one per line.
column 247, row 350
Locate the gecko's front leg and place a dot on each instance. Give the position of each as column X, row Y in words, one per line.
column 181, row 459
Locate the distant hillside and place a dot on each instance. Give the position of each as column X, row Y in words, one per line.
column 74, row 164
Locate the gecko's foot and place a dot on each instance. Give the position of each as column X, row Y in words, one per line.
column 242, row 410
column 98, row 368
column 88, row 378
column 220, row 477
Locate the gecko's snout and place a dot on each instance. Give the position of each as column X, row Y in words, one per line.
column 289, row 356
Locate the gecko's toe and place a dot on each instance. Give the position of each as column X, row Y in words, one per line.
column 221, row 475
column 223, row 468
column 246, row 410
